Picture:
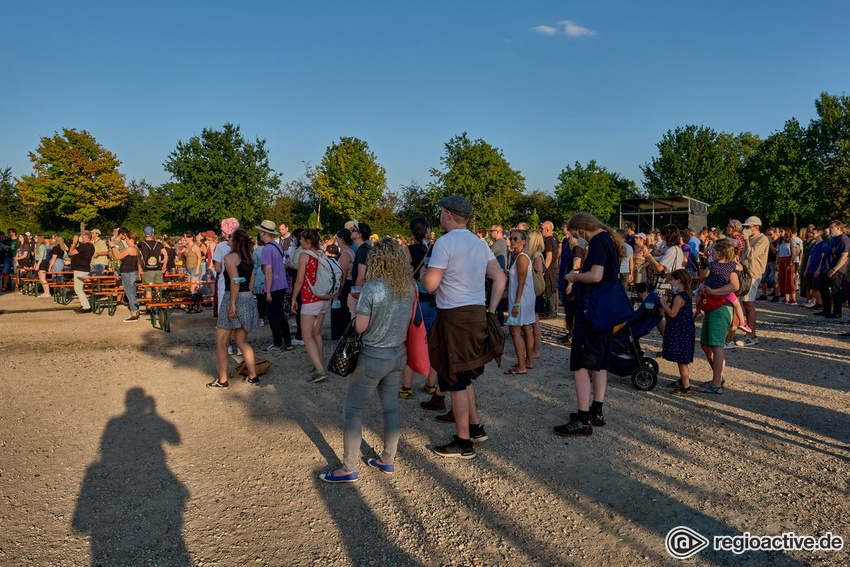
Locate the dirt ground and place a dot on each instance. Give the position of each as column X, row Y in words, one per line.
column 113, row 452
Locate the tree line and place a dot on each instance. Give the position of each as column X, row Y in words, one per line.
column 798, row 172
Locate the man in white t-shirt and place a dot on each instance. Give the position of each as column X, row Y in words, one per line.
column 466, row 334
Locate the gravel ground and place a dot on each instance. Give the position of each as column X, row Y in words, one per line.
column 113, row 452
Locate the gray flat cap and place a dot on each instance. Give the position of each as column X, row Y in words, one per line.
column 457, row 205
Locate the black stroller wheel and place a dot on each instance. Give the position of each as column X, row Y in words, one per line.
column 652, row 363
column 644, row 378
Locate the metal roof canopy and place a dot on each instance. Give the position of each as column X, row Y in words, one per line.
column 645, row 212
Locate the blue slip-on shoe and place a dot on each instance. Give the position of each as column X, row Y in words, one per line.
column 388, row 469
column 329, row 477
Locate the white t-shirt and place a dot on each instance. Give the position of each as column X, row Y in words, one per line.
column 464, row 258
column 222, row 250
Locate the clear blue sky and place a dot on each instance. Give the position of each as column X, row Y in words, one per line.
column 548, row 82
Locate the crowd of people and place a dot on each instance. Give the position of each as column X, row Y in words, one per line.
column 470, row 285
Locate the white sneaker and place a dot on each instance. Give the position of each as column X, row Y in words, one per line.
column 44, row 296
column 296, row 342
column 730, row 345
column 231, row 351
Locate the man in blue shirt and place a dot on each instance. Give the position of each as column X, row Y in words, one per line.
column 833, row 271
column 273, row 261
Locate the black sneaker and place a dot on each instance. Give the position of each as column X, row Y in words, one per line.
column 131, row 319
column 775, row 299
column 457, row 449
column 762, row 297
column 254, row 380
column 574, row 428
column 216, row 385
column 79, row 311
column 477, row 433
column 596, row 420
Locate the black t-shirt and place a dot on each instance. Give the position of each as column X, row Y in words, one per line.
column 57, row 252
column 771, row 255
column 151, row 252
column 172, row 259
column 550, row 244
column 81, row 261
column 360, row 257
column 601, row 252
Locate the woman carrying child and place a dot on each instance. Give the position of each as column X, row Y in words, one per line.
column 731, row 298
column 679, row 333
column 721, row 280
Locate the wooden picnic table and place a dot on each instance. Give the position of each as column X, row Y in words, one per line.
column 160, row 307
column 104, row 293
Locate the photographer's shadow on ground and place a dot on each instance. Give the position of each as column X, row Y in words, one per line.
column 130, row 502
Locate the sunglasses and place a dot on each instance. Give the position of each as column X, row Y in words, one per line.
column 515, row 238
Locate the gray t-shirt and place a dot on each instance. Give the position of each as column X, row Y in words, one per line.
column 389, row 316
column 500, row 251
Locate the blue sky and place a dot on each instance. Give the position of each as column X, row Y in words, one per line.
column 549, row 83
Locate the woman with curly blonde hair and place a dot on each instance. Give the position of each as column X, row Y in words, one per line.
column 382, row 316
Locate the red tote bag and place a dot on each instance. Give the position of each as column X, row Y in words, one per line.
column 417, row 341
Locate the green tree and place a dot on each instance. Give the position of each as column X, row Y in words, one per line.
column 74, row 177
column 780, row 179
column 527, row 204
column 217, row 175
column 830, row 134
column 349, row 179
column 592, row 189
column 479, row 172
column 294, row 203
column 148, row 205
column 696, row 162
column 12, row 210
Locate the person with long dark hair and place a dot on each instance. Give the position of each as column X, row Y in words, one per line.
column 340, row 315
column 418, row 249
column 313, row 308
column 238, row 310
column 591, row 350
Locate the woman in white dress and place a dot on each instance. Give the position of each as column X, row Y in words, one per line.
column 521, row 300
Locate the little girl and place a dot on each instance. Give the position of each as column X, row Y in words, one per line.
column 724, row 263
column 679, row 333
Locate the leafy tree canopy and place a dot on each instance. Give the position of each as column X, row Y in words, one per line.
column 217, row 175
column 697, row 162
column 592, row 189
column 830, row 134
column 349, row 178
column 73, row 178
column 479, row 172
column 12, row 210
column 781, row 177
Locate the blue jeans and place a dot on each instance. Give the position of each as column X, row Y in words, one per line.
column 128, row 282
column 98, row 269
column 377, row 369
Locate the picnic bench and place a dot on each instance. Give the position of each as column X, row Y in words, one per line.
column 160, row 305
column 104, row 292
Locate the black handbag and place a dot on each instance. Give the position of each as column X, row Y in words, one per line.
column 344, row 359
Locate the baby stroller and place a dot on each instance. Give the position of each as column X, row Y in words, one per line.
column 627, row 357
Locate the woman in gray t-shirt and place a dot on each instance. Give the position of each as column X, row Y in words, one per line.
column 383, row 315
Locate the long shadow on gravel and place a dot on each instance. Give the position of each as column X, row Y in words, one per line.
column 130, row 502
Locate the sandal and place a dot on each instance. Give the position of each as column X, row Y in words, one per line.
column 708, row 383
column 514, row 371
column 709, row 389
column 677, row 384
column 682, row 392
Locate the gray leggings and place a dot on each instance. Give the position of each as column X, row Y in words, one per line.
column 377, row 369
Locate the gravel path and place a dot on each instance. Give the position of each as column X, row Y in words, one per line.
column 112, row 452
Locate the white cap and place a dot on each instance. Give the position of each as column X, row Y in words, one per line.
column 752, row 221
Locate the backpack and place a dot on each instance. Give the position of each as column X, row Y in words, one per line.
column 328, row 276
column 746, row 282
